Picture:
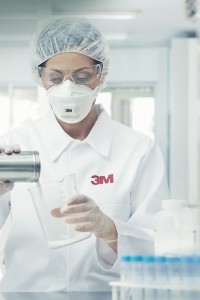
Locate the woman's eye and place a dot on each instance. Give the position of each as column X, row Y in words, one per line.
column 56, row 80
column 83, row 75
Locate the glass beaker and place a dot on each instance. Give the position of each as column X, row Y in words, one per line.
column 48, row 198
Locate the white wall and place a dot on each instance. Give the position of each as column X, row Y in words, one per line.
column 136, row 64
column 184, row 128
column 146, row 66
column 15, row 65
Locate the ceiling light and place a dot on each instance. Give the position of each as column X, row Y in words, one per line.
column 114, row 16
column 126, row 15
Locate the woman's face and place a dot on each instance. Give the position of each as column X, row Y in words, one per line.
column 69, row 61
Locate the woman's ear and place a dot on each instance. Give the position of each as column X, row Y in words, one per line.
column 43, row 66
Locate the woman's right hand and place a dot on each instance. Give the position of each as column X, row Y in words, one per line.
column 7, row 186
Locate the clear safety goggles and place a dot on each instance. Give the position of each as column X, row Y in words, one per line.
column 82, row 75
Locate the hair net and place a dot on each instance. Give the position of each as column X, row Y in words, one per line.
column 69, row 35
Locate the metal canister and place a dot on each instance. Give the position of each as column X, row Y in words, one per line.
column 20, row 167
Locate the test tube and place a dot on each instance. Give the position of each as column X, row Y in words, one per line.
column 186, row 275
column 137, row 277
column 125, row 277
column 196, row 270
column 149, row 277
column 174, row 278
column 161, row 278
column 190, row 276
column 125, row 268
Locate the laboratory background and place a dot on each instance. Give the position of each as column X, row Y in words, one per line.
column 153, row 83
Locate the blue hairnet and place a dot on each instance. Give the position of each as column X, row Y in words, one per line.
column 69, row 35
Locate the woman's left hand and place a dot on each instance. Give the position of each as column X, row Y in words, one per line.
column 84, row 213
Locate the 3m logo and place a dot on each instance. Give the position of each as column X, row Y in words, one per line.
column 68, row 109
column 102, row 179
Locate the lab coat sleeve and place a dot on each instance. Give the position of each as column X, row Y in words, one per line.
column 137, row 235
column 4, row 216
column 4, row 208
column 5, row 198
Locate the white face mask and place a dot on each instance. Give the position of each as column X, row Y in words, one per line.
column 71, row 102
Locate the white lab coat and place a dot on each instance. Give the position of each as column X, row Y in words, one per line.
column 131, row 195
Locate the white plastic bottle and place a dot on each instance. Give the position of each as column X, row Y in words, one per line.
column 190, row 230
column 168, row 223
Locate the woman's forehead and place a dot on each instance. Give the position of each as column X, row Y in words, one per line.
column 69, row 60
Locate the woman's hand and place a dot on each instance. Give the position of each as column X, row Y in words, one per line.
column 7, row 186
column 84, row 213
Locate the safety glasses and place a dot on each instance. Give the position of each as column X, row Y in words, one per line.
column 82, row 75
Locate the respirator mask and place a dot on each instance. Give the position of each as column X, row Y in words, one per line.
column 71, row 102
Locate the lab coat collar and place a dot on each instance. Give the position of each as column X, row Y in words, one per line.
column 100, row 136
column 57, row 140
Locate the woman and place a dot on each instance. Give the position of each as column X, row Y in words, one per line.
column 119, row 172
